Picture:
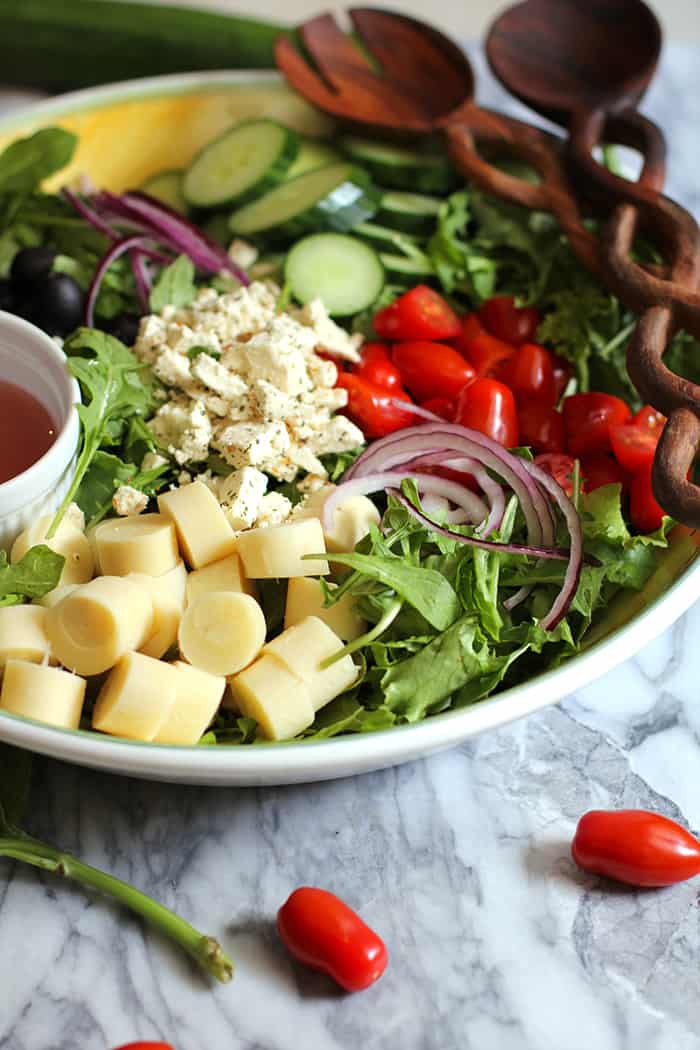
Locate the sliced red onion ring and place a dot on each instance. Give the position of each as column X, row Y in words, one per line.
column 142, row 278
column 118, row 248
column 467, row 501
column 573, row 571
column 90, row 215
column 491, row 489
column 552, row 553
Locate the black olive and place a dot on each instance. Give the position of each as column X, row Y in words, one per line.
column 125, row 327
column 7, row 299
column 30, row 267
column 58, row 304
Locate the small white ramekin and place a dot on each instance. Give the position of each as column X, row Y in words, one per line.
column 32, row 360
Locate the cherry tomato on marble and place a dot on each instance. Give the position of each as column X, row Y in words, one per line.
column 373, row 408
column 418, row 314
column 530, row 375
column 645, row 512
column 377, row 367
column 541, row 426
column 431, row 369
column 560, row 467
column 471, row 327
column 598, row 469
column 634, row 442
column 636, row 847
column 588, row 419
column 321, row 931
column 441, row 406
column 513, row 324
column 488, row 354
column 489, row 407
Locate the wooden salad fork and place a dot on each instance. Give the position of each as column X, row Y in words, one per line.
column 403, row 79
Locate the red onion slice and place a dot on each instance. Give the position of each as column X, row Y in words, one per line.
column 467, row 501
column 117, row 249
column 491, row 489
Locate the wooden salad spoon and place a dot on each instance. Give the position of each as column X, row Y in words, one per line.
column 588, row 68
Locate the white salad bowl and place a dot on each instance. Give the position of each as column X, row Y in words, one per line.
column 32, row 360
column 127, row 133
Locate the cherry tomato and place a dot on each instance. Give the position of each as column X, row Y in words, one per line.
column 645, row 512
column 441, row 406
column 541, row 426
column 145, row 1046
column 418, row 314
column 530, row 375
column 372, row 408
column 377, row 367
column 511, row 323
column 321, row 931
column 488, row 354
column 598, row 469
column 560, row 467
column 562, row 372
column 634, row 442
column 636, row 847
column 471, row 327
column 588, row 419
column 432, row 369
column 489, row 407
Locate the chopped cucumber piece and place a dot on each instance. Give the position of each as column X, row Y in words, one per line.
column 342, row 271
column 336, row 197
column 401, row 168
column 312, row 155
column 400, row 267
column 166, row 186
column 409, row 212
column 243, row 163
column 385, row 240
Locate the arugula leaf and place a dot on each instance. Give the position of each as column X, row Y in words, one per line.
column 425, row 589
column 115, row 386
column 346, row 714
column 175, row 285
column 104, row 476
column 33, row 576
column 336, row 463
column 25, row 163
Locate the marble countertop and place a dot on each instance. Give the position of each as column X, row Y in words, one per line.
column 460, row 861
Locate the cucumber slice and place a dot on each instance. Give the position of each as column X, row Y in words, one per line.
column 409, row 212
column 385, row 240
column 336, row 197
column 400, row 267
column 166, row 186
column 312, row 155
column 401, row 168
column 342, row 271
column 243, row 163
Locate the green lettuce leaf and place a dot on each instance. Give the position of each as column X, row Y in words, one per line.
column 25, row 163
column 175, row 285
column 33, row 576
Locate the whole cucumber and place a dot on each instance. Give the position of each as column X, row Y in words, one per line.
column 60, row 45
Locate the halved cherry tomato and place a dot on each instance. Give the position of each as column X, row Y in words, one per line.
column 418, row 314
column 488, row 354
column 645, row 512
column 377, row 367
column 441, row 406
column 541, row 426
column 529, row 374
column 511, row 323
column 372, row 407
column 636, row 847
column 471, row 328
column 321, row 931
column 560, row 467
column 588, row 419
column 563, row 372
column 634, row 442
column 598, row 469
column 489, row 407
column 431, row 369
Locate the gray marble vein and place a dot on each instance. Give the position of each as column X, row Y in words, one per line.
column 497, row 941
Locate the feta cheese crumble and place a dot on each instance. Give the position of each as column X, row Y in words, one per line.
column 247, row 382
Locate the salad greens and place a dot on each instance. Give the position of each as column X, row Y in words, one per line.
column 33, row 576
column 16, row 844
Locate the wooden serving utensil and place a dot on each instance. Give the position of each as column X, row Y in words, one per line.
column 600, row 60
